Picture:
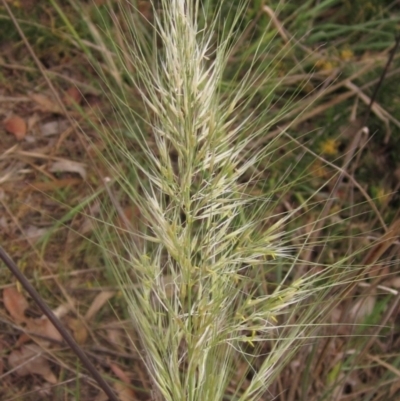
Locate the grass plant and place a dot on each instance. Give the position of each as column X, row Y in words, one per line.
column 233, row 260
column 194, row 266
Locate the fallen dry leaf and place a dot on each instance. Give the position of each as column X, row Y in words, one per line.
column 101, row 396
column 123, row 388
column 53, row 127
column 32, row 121
column 78, row 330
column 43, row 327
column 124, row 392
column 98, row 303
column 29, row 360
column 68, row 166
column 120, row 373
column 45, row 104
column 15, row 304
column 23, row 339
column 72, row 96
column 116, row 339
column 61, row 310
column 35, row 233
column 17, row 126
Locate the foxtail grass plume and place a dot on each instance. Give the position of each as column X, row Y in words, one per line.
column 193, row 265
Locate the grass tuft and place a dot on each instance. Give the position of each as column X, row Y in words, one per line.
column 191, row 152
